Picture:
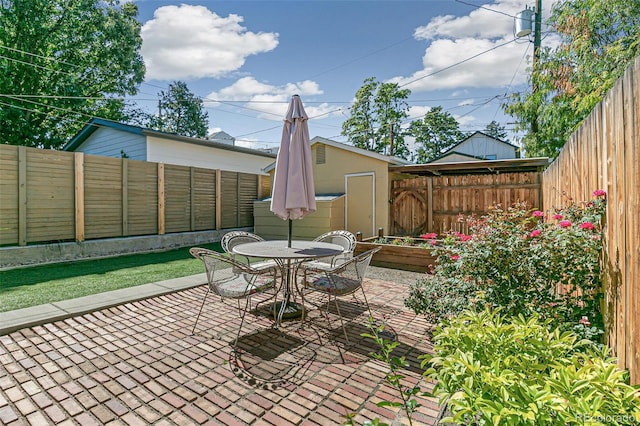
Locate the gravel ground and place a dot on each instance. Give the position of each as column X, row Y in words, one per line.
column 394, row 275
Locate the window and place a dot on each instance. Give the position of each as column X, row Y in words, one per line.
column 320, row 154
column 491, row 157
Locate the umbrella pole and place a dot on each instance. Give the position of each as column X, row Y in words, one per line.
column 289, row 234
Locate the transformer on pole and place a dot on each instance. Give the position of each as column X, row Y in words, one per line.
column 523, row 27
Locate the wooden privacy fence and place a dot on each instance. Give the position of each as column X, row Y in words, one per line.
column 604, row 154
column 441, row 203
column 62, row 196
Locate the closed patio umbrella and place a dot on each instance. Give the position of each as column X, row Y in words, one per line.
column 293, row 190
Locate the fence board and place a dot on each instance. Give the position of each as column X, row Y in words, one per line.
column 121, row 197
column 204, row 206
column 229, row 192
column 177, row 198
column 102, row 196
column 50, row 208
column 453, row 198
column 9, row 195
column 604, row 154
column 142, row 191
column 247, row 194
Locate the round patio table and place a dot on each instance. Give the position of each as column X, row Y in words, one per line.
column 288, row 259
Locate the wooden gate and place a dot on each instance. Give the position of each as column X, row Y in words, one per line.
column 442, row 203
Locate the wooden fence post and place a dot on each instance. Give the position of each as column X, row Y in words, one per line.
column 79, row 194
column 218, row 199
column 22, row 195
column 161, row 200
column 125, row 197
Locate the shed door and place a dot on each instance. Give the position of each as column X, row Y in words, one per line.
column 360, row 204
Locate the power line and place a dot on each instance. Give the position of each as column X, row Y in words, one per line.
column 512, row 78
column 458, row 63
column 485, row 8
column 362, row 57
column 47, row 58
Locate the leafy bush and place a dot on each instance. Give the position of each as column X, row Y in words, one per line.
column 437, row 297
column 495, row 371
column 521, row 261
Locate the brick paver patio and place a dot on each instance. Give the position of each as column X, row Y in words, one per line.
column 139, row 364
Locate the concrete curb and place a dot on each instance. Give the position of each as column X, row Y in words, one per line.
column 11, row 321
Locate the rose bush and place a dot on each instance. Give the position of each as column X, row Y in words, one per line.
column 523, row 261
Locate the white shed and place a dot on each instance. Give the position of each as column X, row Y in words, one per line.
column 112, row 139
column 479, row 147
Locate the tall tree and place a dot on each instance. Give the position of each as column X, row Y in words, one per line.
column 376, row 118
column 599, row 39
column 496, row 130
column 61, row 60
column 181, row 112
column 436, row 132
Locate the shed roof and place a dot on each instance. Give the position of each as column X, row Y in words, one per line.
column 474, row 167
column 97, row 123
column 318, row 139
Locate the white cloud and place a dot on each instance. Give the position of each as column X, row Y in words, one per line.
column 447, row 65
column 191, row 42
column 272, row 101
column 418, row 111
column 465, row 120
column 489, row 21
column 465, row 51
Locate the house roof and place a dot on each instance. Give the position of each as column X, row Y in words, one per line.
column 318, row 139
column 474, row 167
column 462, row 154
column 388, row 158
column 453, row 148
column 96, row 123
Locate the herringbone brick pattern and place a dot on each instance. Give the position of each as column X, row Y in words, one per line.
column 139, row 364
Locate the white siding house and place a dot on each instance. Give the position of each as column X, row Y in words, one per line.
column 477, row 147
column 111, row 139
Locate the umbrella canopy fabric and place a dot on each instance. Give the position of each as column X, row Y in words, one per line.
column 293, row 190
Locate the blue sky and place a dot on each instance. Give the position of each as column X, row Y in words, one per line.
column 246, row 58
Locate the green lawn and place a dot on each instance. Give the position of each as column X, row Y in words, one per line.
column 21, row 288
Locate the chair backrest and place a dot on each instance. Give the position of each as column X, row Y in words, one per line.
column 220, row 266
column 343, row 238
column 234, row 238
column 356, row 267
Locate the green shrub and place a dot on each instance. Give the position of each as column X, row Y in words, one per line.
column 438, row 297
column 489, row 370
column 517, row 259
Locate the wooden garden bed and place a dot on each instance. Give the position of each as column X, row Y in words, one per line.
column 396, row 256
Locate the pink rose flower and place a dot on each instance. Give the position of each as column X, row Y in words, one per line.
column 584, row 321
column 564, row 224
column 429, row 236
column 587, row 225
column 599, row 193
column 538, row 213
column 455, row 257
column 535, row 233
column 464, row 237
column 558, row 216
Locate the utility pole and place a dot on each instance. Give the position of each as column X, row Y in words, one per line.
column 536, row 59
column 391, row 141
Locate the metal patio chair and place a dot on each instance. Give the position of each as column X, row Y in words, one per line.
column 342, row 280
column 231, row 279
column 234, row 238
column 343, row 238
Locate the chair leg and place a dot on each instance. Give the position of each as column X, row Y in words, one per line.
column 344, row 330
column 204, row 299
column 366, row 302
column 243, row 312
